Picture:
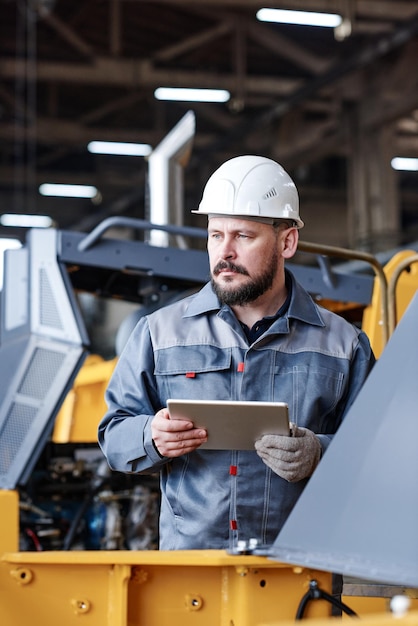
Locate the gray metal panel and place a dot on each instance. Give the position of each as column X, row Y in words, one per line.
column 135, row 256
column 16, row 310
column 40, row 354
column 52, row 311
column 345, row 287
column 359, row 512
column 27, row 411
column 181, row 267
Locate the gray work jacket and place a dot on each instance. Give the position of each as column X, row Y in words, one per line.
column 310, row 358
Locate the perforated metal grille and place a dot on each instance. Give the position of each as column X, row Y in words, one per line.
column 14, row 431
column 40, row 373
column 49, row 313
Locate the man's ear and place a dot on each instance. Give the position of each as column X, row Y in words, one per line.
column 290, row 243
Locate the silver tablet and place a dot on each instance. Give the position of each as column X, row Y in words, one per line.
column 233, row 425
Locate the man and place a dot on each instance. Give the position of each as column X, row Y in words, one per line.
column 252, row 333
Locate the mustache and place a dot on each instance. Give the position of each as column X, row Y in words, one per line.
column 228, row 265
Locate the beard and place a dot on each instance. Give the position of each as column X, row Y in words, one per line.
column 250, row 291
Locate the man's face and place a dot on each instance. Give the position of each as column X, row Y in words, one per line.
column 243, row 257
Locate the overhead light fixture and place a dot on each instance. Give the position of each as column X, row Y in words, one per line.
column 192, row 95
column 68, row 191
column 302, row 18
column 25, row 221
column 119, row 148
column 407, row 164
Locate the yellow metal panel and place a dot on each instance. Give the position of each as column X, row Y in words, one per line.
column 152, row 588
column 84, row 406
column 232, row 594
column 50, row 595
column 9, row 521
column 406, row 288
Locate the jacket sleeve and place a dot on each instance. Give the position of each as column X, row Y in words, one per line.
column 361, row 365
column 124, row 432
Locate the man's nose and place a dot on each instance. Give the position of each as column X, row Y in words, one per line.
column 227, row 249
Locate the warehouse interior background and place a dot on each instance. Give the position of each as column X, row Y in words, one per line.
column 332, row 105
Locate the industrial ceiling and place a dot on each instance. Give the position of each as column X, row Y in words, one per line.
column 332, row 106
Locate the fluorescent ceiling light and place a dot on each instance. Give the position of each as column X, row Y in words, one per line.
column 119, row 148
column 407, row 164
column 304, row 18
column 68, row 191
column 192, row 95
column 25, row 221
column 9, row 244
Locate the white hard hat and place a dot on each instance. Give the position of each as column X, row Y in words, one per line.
column 251, row 187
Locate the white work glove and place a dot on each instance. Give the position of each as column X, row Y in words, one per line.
column 292, row 458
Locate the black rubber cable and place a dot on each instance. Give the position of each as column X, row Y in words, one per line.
column 315, row 593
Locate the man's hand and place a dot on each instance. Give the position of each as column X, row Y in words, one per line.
column 175, row 437
column 292, row 458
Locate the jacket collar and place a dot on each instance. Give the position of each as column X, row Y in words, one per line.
column 301, row 305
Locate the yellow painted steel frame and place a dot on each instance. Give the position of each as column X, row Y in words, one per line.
column 154, row 588
column 146, row 588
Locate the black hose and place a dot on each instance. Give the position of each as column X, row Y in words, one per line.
column 315, row 593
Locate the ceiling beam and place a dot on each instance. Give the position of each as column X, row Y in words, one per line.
column 285, row 48
column 191, row 43
column 365, row 58
column 52, row 131
column 66, row 33
column 134, row 74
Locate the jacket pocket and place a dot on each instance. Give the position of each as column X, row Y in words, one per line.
column 193, row 372
column 313, row 393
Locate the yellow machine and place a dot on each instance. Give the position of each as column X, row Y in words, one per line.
column 149, row 588
column 402, row 282
column 77, row 543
